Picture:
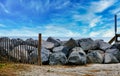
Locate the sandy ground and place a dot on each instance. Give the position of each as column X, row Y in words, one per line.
column 59, row 70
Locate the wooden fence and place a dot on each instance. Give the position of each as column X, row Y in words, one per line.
column 20, row 50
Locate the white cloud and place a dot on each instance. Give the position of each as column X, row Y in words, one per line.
column 4, row 8
column 17, row 32
column 95, row 7
column 94, row 21
column 102, row 33
column 115, row 11
column 58, row 31
column 91, row 19
column 49, row 30
column 94, row 34
column 64, row 4
column 108, row 33
column 101, row 5
column 2, row 25
column 85, row 18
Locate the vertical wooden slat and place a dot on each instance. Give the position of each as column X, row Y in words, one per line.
column 39, row 49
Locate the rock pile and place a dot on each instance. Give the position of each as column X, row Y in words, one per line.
column 54, row 51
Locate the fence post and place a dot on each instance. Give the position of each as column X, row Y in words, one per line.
column 39, row 49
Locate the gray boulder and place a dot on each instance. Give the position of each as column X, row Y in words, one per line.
column 95, row 56
column 115, row 46
column 114, row 52
column 47, row 45
column 63, row 43
column 77, row 56
column 102, row 45
column 109, row 58
column 56, row 42
column 45, row 54
column 58, row 49
column 68, row 46
column 87, row 44
column 63, row 49
column 71, row 43
column 18, row 42
column 33, row 57
column 66, row 51
column 57, row 58
column 32, row 42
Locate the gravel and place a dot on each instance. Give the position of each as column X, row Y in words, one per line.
column 72, row 70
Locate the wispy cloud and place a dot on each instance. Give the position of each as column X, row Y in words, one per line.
column 101, row 5
column 102, row 33
column 58, row 31
column 115, row 10
column 49, row 30
column 2, row 25
column 4, row 8
column 65, row 18
column 94, row 21
column 63, row 5
column 94, row 34
column 95, row 7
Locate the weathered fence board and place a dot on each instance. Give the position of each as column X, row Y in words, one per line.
column 21, row 50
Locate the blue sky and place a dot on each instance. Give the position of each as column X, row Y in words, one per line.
column 59, row 18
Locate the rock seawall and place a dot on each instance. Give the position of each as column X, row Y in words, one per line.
column 54, row 51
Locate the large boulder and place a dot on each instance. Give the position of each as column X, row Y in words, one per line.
column 109, row 58
column 57, row 58
column 95, row 56
column 115, row 46
column 87, row 44
column 77, row 56
column 66, row 51
column 58, row 49
column 18, row 42
column 47, row 45
column 32, row 42
column 45, row 54
column 33, row 57
column 56, row 42
column 62, row 49
column 114, row 52
column 102, row 45
column 71, row 43
column 63, row 43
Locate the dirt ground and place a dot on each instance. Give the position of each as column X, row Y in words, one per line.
column 59, row 70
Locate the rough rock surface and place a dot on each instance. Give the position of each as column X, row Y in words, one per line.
column 71, row 43
column 102, row 45
column 47, row 45
column 95, row 57
column 31, row 42
column 109, row 58
column 114, row 52
column 87, row 44
column 33, row 57
column 55, row 41
column 57, row 58
column 58, row 49
column 77, row 56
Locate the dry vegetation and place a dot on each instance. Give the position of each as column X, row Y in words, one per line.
column 11, row 69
